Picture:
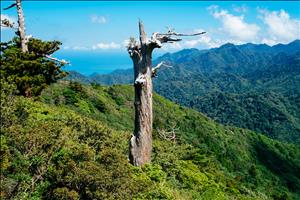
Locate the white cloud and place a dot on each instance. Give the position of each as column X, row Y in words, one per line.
column 208, row 42
column 268, row 41
column 80, row 48
column 102, row 45
column 125, row 43
column 172, row 46
column 240, row 9
column 205, row 41
column 98, row 19
column 98, row 46
column 235, row 26
column 192, row 43
column 11, row 19
column 281, row 28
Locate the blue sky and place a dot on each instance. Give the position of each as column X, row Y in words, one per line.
column 106, row 25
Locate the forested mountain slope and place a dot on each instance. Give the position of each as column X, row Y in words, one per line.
column 72, row 143
column 249, row 86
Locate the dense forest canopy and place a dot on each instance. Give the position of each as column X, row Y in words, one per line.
column 72, row 144
column 249, row 86
column 62, row 139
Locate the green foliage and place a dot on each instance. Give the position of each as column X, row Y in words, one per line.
column 249, row 86
column 31, row 72
column 64, row 147
column 7, row 101
column 65, row 194
column 236, row 86
column 4, row 153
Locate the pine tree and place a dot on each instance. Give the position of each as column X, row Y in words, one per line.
column 26, row 62
column 32, row 71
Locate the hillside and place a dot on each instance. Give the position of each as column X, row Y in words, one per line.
column 72, row 143
column 249, row 86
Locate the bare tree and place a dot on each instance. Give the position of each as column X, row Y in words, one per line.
column 21, row 30
column 21, row 27
column 21, row 22
column 141, row 54
column 169, row 134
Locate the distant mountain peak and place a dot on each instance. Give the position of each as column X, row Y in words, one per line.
column 93, row 74
column 227, row 45
column 297, row 42
column 184, row 51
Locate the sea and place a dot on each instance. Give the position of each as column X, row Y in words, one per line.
column 90, row 62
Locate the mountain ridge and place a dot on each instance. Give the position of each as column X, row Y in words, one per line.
column 295, row 45
column 237, row 72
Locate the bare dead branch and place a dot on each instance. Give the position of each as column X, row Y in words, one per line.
column 158, row 38
column 143, row 35
column 12, row 5
column 159, row 65
column 7, row 24
column 168, row 135
column 133, row 48
column 181, row 34
column 21, row 27
column 57, row 60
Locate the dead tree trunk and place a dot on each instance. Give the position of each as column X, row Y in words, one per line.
column 140, row 145
column 141, row 142
column 21, row 28
column 21, row 31
column 21, row 24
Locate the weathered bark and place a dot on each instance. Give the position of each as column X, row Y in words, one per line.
column 21, row 28
column 141, row 141
column 141, row 53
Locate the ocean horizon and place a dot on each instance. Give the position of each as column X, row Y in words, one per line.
column 89, row 62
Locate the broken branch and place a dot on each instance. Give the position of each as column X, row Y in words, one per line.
column 181, row 34
column 7, row 24
column 133, row 49
column 12, row 5
column 155, row 69
column 57, row 60
column 158, row 38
